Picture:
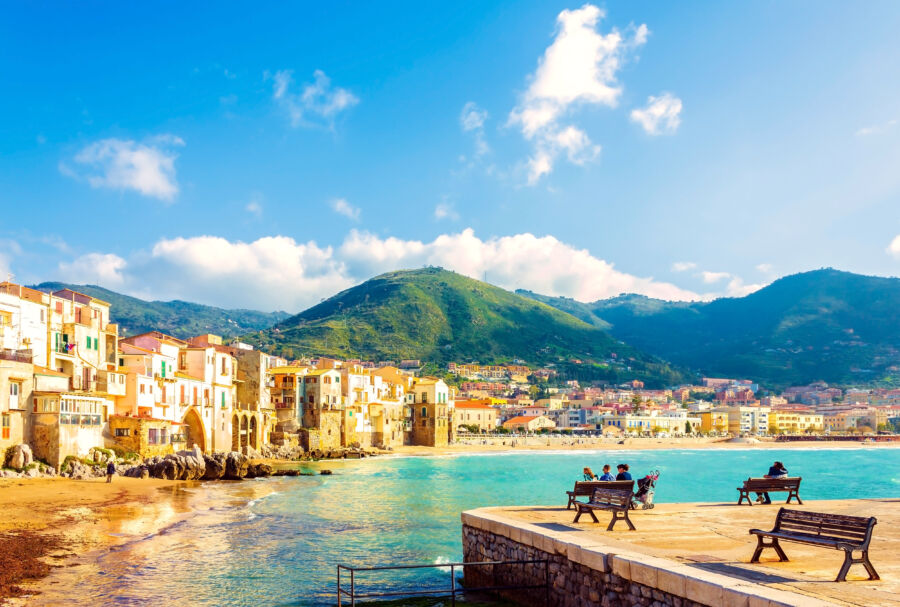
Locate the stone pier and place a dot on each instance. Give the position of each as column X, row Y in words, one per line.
column 681, row 555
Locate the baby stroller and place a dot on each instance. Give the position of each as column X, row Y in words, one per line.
column 643, row 497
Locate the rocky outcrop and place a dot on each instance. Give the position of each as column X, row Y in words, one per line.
column 18, row 457
column 285, row 452
column 235, row 465
column 259, row 469
column 251, row 453
column 215, row 466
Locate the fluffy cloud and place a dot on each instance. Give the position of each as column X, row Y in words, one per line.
column 95, row 268
column 765, row 268
column 317, row 102
column 579, row 68
column 661, row 116
column 737, row 288
column 683, row 266
column 147, row 167
column 894, row 247
column 342, row 207
column 280, row 273
column 712, row 277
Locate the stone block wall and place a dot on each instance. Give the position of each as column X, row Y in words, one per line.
column 571, row 584
column 584, row 572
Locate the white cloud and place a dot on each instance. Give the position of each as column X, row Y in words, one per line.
column 765, row 268
column 737, row 288
column 683, row 266
column 445, row 210
column 876, row 129
column 148, row 167
column 711, row 277
column 542, row 264
column 342, row 207
column 280, row 273
column 579, row 68
column 318, row 101
column 105, row 269
column 661, row 116
column 254, row 207
column 894, row 247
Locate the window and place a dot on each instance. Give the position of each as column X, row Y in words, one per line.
column 223, row 399
column 153, row 436
column 59, row 307
column 4, row 425
column 424, row 411
column 14, row 389
column 142, row 388
column 123, row 432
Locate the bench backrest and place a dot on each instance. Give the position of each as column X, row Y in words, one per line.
column 760, row 484
column 613, row 498
column 856, row 530
column 587, row 487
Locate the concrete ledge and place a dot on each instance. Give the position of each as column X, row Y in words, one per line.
column 644, row 572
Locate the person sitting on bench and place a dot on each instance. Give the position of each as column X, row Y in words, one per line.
column 777, row 470
column 589, row 474
column 624, row 474
column 607, row 475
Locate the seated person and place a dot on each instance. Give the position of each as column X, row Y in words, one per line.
column 607, row 476
column 589, row 474
column 776, row 470
column 623, row 474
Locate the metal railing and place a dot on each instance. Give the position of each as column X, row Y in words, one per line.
column 453, row 590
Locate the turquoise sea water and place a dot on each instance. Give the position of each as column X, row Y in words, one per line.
column 277, row 541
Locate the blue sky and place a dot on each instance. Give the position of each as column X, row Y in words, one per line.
column 271, row 158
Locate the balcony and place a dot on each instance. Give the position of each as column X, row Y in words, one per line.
column 18, row 356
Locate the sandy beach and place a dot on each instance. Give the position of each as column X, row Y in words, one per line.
column 628, row 444
column 47, row 520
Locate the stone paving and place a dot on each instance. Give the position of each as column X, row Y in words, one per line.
column 714, row 538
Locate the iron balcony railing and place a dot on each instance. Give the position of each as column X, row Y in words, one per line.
column 454, row 588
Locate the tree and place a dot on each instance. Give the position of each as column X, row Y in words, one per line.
column 688, row 428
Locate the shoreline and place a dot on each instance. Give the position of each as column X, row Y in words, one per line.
column 74, row 522
column 64, row 519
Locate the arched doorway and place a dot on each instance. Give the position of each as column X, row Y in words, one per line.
column 194, row 433
column 235, row 433
column 253, row 441
column 244, row 431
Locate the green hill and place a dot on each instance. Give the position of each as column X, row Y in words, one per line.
column 178, row 318
column 826, row 325
column 440, row 316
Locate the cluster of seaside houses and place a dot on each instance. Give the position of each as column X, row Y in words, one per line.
column 69, row 382
column 716, row 406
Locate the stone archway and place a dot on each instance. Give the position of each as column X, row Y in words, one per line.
column 253, row 439
column 194, row 433
column 244, row 429
column 235, row 433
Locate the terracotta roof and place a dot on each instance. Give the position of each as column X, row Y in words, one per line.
column 462, row 404
column 521, row 419
column 45, row 371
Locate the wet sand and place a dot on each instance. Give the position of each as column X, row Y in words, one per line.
column 45, row 521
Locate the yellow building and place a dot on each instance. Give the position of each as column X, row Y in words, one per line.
column 473, row 413
column 794, row 422
column 714, row 421
column 16, row 386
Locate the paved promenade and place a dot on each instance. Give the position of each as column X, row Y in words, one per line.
column 713, row 538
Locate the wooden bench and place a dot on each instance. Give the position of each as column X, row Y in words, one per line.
column 617, row 501
column 837, row 531
column 586, row 489
column 791, row 484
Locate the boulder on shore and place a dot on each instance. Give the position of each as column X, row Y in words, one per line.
column 235, row 465
column 19, row 456
column 215, row 466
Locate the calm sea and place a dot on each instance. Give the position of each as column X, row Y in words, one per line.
column 277, row 541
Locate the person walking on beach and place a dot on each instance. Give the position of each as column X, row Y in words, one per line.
column 110, row 470
column 623, row 474
column 607, row 475
column 776, row 470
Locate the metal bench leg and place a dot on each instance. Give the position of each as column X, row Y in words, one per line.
column 569, row 505
column 845, row 568
column 873, row 575
column 744, row 494
column 628, row 520
column 761, row 544
column 794, row 495
column 582, row 511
